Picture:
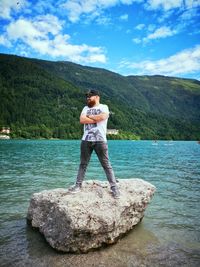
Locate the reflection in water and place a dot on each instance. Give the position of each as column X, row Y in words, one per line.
column 132, row 248
column 138, row 248
column 29, row 248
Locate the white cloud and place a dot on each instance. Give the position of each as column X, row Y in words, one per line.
column 166, row 5
column 43, row 34
column 162, row 32
column 191, row 3
column 9, row 6
column 136, row 40
column 44, row 7
column 171, row 4
column 103, row 20
column 184, row 62
column 48, row 24
column 151, row 27
column 124, row 17
column 76, row 8
column 140, row 26
column 188, row 15
column 159, row 33
column 4, row 41
column 24, row 30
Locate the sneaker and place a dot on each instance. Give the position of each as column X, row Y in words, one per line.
column 75, row 189
column 115, row 192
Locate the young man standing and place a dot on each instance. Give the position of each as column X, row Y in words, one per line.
column 94, row 116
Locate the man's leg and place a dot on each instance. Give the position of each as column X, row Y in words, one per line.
column 101, row 149
column 86, row 151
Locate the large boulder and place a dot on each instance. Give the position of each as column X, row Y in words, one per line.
column 91, row 218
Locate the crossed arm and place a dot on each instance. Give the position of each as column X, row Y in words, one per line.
column 87, row 119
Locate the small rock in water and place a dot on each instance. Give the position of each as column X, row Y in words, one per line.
column 91, row 218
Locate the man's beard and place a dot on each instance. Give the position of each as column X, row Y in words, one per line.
column 91, row 103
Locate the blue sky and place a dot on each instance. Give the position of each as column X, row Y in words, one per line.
column 130, row 37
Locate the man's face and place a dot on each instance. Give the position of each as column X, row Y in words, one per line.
column 91, row 101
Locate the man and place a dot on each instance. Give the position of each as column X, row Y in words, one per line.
column 94, row 116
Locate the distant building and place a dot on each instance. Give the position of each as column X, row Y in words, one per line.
column 4, row 136
column 112, row 131
column 5, row 130
column 4, row 133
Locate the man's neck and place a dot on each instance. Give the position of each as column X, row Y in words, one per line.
column 96, row 104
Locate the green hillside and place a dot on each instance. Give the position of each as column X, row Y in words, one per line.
column 172, row 97
column 44, row 99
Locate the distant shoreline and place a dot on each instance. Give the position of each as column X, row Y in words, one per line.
column 169, row 142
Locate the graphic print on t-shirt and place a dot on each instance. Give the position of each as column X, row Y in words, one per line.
column 93, row 133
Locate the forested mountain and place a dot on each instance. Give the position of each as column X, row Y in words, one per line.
column 44, row 99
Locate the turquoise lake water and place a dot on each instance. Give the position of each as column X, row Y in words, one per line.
column 169, row 234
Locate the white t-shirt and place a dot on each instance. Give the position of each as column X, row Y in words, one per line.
column 95, row 131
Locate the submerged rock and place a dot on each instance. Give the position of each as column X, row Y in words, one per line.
column 91, row 218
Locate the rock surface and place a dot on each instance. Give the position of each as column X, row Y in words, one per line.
column 91, row 218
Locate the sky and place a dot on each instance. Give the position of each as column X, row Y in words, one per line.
column 130, row 37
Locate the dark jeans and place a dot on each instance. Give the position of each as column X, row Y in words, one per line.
column 101, row 149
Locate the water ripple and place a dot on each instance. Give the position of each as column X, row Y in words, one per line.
column 172, row 221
